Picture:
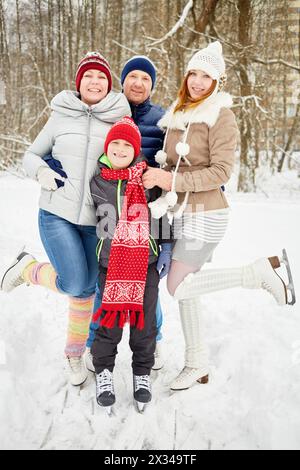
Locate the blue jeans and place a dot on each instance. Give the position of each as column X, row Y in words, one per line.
column 94, row 325
column 71, row 250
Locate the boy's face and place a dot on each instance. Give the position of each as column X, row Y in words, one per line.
column 120, row 154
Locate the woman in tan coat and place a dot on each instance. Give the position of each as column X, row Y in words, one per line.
column 197, row 160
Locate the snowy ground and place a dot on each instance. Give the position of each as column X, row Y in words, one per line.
column 253, row 399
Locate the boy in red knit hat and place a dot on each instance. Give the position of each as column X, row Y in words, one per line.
column 128, row 255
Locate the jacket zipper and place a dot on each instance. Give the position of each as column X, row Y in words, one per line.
column 99, row 248
column 101, row 241
column 89, row 113
column 119, row 197
column 153, row 245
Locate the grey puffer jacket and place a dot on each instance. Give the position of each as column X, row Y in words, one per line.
column 75, row 134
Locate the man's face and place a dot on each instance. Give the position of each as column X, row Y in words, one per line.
column 137, row 86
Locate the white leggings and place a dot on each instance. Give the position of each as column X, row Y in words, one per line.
column 178, row 273
column 189, row 256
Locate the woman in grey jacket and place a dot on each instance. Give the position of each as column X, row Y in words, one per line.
column 75, row 134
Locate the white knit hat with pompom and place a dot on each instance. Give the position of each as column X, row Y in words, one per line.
column 209, row 60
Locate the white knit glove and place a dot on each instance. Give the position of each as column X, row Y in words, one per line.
column 46, row 177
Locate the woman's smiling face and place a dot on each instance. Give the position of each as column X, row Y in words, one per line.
column 93, row 86
column 199, row 84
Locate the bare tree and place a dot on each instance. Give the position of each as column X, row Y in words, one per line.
column 41, row 43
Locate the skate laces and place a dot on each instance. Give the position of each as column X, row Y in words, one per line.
column 268, row 288
column 271, row 291
column 142, row 381
column 272, row 282
column 18, row 281
column 104, row 382
column 186, row 372
column 76, row 363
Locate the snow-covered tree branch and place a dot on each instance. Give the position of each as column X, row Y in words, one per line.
column 176, row 27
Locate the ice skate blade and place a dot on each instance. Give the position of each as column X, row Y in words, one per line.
column 141, row 407
column 290, row 287
column 157, row 368
column 108, row 410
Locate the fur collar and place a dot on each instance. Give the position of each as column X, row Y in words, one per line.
column 207, row 113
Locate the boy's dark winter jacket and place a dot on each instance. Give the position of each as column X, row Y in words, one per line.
column 108, row 197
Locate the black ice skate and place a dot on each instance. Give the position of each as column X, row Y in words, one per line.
column 105, row 393
column 142, row 391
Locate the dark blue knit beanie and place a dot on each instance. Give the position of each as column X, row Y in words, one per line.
column 139, row 62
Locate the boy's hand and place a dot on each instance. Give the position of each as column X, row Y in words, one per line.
column 164, row 260
column 157, row 177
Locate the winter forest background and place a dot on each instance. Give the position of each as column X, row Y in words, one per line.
column 42, row 41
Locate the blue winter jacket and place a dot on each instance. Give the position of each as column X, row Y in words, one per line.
column 146, row 117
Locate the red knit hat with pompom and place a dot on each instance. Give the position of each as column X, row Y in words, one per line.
column 127, row 130
column 93, row 60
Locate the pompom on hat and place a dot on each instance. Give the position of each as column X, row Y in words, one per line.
column 93, row 60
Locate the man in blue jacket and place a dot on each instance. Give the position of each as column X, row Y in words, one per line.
column 138, row 79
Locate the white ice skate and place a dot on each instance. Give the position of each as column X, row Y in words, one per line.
column 158, row 357
column 12, row 278
column 89, row 360
column 188, row 377
column 268, row 278
column 196, row 368
column 76, row 370
column 105, row 393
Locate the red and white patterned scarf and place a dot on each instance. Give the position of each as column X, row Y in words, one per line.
column 129, row 257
